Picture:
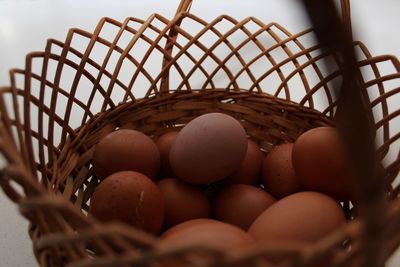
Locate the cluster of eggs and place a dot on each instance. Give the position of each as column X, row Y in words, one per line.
column 210, row 184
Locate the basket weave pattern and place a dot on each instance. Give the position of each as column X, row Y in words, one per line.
column 77, row 91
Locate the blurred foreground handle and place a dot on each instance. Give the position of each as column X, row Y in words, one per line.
column 355, row 125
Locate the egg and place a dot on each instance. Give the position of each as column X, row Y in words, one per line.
column 126, row 150
column 208, row 149
column 164, row 144
column 278, row 175
column 183, row 201
column 206, row 232
column 189, row 223
column 241, row 204
column 250, row 168
column 321, row 163
column 300, row 217
column 129, row 197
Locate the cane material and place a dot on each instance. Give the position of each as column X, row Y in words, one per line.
column 155, row 75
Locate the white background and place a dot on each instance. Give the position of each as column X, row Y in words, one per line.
column 26, row 24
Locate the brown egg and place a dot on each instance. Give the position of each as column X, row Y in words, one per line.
column 301, row 217
column 183, row 201
column 206, row 232
column 126, row 150
column 130, row 197
column 164, row 144
column 250, row 168
column 241, row 204
column 189, row 223
column 278, row 175
column 321, row 163
column 208, row 149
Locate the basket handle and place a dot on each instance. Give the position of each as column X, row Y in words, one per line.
column 346, row 15
column 184, row 7
column 353, row 112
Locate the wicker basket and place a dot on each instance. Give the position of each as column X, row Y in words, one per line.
column 64, row 101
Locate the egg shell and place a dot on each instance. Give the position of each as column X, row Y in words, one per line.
column 278, row 175
column 321, row 163
column 241, row 204
column 164, row 144
column 206, row 233
column 209, row 148
column 250, row 168
column 126, row 150
column 129, row 197
column 189, row 223
column 183, row 201
column 301, row 217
